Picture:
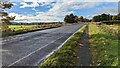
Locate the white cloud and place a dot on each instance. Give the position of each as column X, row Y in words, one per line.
column 41, row 17
column 57, row 12
column 71, row 5
column 89, row 16
column 14, row 4
column 108, row 10
column 39, row 1
column 72, row 0
column 59, row 9
column 34, row 4
column 100, row 0
column 62, row 0
column 17, row 16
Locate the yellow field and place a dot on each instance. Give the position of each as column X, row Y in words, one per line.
column 18, row 29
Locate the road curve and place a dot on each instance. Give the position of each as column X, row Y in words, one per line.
column 27, row 49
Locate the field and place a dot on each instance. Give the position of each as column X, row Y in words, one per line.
column 18, row 29
column 67, row 55
column 104, row 44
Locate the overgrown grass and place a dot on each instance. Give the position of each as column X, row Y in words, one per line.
column 67, row 54
column 18, row 29
column 111, row 29
column 111, row 22
column 104, row 45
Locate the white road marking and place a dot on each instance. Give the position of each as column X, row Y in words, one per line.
column 33, row 52
column 55, row 49
column 41, row 48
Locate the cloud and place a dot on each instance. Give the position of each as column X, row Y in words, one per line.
column 100, row 0
column 35, row 3
column 42, row 17
column 24, row 5
column 39, row 0
column 18, row 16
column 72, row 5
column 59, row 9
column 62, row 0
column 109, row 10
column 14, row 4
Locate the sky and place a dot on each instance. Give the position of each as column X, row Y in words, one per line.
column 55, row 10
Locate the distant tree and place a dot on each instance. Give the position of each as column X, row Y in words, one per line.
column 76, row 19
column 86, row 20
column 70, row 18
column 118, row 16
column 102, row 17
column 81, row 19
column 66, row 19
column 114, row 18
column 96, row 18
column 105, row 17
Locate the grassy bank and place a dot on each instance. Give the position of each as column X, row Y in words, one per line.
column 19, row 29
column 104, row 44
column 67, row 55
column 111, row 29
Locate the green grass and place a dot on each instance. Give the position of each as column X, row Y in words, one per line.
column 112, row 29
column 31, row 27
column 18, row 29
column 67, row 54
column 104, row 45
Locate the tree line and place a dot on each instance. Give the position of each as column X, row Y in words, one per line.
column 74, row 19
column 105, row 18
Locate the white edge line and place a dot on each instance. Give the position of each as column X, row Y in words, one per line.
column 41, row 48
column 56, row 48
column 32, row 53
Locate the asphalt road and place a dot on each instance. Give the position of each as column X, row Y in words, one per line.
column 29, row 48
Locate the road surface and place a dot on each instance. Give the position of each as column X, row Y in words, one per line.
column 29, row 48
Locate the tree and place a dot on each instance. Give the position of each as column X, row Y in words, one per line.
column 66, row 19
column 114, row 18
column 105, row 17
column 96, row 18
column 86, row 20
column 102, row 17
column 81, row 19
column 118, row 16
column 5, row 18
column 70, row 18
column 74, row 19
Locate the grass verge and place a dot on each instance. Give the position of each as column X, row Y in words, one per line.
column 104, row 46
column 67, row 55
column 19, row 29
